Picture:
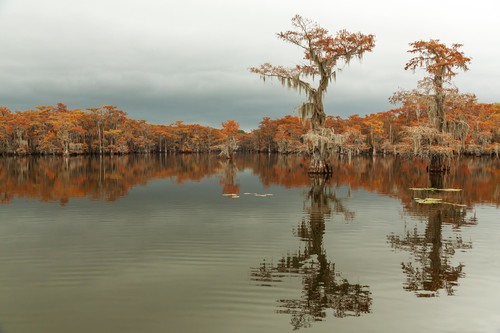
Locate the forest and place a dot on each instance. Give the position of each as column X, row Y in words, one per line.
column 433, row 121
column 474, row 128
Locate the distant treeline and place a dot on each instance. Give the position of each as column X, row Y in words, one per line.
column 474, row 129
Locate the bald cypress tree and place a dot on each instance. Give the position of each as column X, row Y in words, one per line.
column 323, row 53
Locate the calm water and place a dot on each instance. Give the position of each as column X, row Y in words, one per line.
column 193, row 244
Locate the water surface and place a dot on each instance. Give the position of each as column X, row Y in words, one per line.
column 195, row 244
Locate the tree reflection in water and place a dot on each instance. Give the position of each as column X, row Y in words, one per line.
column 430, row 268
column 228, row 177
column 323, row 287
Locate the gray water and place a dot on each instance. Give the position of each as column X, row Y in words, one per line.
column 149, row 244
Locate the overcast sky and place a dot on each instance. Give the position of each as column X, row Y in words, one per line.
column 166, row 60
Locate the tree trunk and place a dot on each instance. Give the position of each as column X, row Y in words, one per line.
column 439, row 100
column 319, row 165
column 66, row 149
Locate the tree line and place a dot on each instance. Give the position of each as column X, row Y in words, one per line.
column 474, row 128
column 58, row 130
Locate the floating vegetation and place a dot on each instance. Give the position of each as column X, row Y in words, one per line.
column 433, row 201
column 428, row 200
column 236, row 196
column 259, row 195
column 436, row 189
column 231, row 195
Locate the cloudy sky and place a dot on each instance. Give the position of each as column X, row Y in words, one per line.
column 166, row 60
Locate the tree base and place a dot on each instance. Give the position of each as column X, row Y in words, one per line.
column 438, row 165
column 323, row 169
column 441, row 169
column 326, row 173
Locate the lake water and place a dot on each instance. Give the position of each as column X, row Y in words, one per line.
column 191, row 243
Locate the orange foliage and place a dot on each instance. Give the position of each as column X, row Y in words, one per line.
column 474, row 128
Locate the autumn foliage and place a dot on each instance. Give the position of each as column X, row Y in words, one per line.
column 56, row 130
column 49, row 130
